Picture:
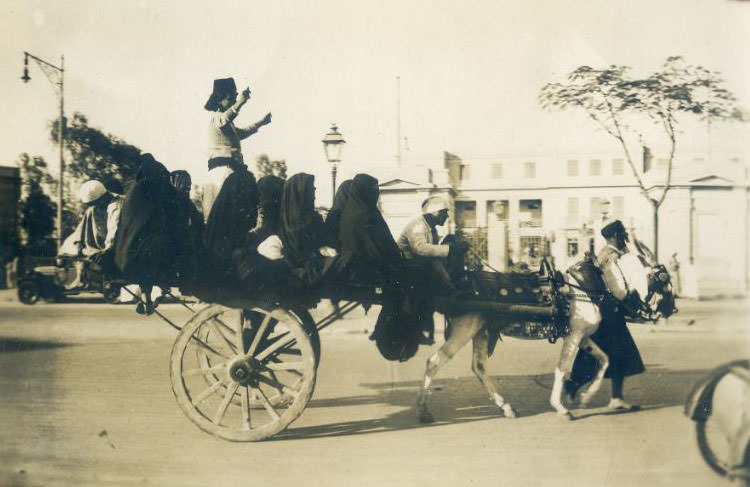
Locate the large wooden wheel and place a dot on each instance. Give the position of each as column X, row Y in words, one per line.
column 243, row 375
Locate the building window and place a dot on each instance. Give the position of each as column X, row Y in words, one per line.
column 531, row 250
column 572, row 247
column 618, row 207
column 530, row 213
column 465, row 172
column 595, row 207
column 529, row 169
column 572, row 210
column 618, row 167
column 466, row 214
column 497, row 170
column 595, row 167
column 499, row 209
column 572, row 167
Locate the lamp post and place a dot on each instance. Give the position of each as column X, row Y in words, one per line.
column 333, row 142
column 56, row 76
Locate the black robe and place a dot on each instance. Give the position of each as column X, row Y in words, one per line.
column 270, row 190
column 368, row 250
column 301, row 229
column 614, row 338
column 227, row 230
column 150, row 236
column 333, row 219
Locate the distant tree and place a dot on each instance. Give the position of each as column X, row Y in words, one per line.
column 37, row 211
column 621, row 105
column 267, row 167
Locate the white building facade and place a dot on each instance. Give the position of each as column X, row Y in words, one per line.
column 527, row 207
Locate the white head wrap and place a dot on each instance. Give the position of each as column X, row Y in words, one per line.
column 433, row 204
column 91, row 191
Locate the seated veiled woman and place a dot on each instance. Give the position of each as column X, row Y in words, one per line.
column 302, row 231
column 368, row 251
column 265, row 234
column 333, row 219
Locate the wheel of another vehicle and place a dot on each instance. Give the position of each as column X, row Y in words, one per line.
column 28, row 292
column 713, row 445
column 243, row 375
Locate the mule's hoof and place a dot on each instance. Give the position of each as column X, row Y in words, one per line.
column 425, row 417
column 567, row 416
column 509, row 412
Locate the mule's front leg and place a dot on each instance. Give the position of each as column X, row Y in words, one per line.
column 479, row 367
column 433, row 365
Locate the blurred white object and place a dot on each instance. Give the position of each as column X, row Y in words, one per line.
column 271, row 248
column 328, row 252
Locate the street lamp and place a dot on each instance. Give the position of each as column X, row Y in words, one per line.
column 333, row 142
column 56, row 76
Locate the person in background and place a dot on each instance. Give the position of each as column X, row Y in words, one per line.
column 95, row 234
column 674, row 271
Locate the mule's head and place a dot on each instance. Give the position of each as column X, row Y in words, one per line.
column 661, row 294
column 659, row 301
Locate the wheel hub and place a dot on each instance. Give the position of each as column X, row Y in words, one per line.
column 244, row 372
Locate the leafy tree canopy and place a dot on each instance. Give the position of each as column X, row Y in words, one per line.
column 267, row 167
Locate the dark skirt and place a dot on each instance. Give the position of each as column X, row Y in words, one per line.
column 614, row 338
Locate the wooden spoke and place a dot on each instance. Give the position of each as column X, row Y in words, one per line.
column 207, row 348
column 219, row 415
column 273, row 347
column 239, row 333
column 204, row 371
column 259, row 334
column 267, row 404
column 214, row 325
column 245, row 394
column 207, row 392
column 278, row 385
column 286, row 366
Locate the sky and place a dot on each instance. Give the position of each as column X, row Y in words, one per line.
column 470, row 73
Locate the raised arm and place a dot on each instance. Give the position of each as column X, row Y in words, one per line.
column 229, row 115
column 246, row 132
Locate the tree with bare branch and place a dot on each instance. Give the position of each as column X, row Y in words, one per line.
column 622, row 105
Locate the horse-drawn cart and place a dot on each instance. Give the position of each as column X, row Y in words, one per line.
column 245, row 370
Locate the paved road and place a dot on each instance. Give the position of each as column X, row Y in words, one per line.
column 85, row 399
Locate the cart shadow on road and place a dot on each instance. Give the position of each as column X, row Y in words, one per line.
column 462, row 400
column 9, row 345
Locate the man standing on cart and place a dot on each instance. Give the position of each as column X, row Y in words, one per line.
column 230, row 195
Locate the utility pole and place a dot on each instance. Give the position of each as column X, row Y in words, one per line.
column 56, row 76
column 398, row 120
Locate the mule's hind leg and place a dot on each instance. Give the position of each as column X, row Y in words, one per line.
column 478, row 366
column 464, row 327
column 571, row 344
column 603, row 361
